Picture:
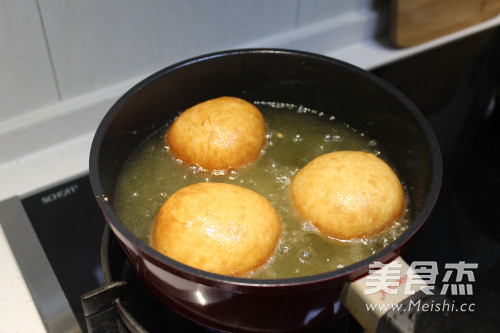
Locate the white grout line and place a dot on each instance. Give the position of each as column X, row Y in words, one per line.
column 46, row 40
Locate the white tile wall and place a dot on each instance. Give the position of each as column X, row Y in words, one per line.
column 94, row 44
column 97, row 43
column 26, row 79
column 317, row 10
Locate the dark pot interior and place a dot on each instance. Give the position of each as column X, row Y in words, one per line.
column 360, row 99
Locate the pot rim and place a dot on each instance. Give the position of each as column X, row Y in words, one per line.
column 351, row 271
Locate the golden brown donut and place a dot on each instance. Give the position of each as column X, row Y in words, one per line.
column 224, row 133
column 348, row 194
column 220, row 228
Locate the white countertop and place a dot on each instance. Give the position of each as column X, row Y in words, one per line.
column 60, row 161
column 17, row 311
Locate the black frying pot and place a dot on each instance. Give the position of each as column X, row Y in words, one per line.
column 353, row 95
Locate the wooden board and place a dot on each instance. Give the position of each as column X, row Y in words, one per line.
column 418, row 21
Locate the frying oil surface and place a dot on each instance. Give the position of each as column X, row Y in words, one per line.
column 295, row 137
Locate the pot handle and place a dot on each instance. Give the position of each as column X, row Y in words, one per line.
column 394, row 298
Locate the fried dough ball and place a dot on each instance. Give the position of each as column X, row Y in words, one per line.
column 348, row 194
column 224, row 133
column 220, row 228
